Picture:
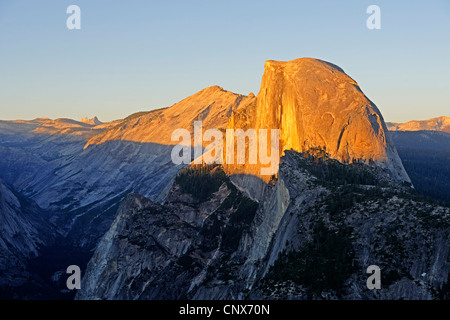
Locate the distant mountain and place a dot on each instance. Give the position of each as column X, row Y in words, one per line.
column 435, row 124
column 94, row 121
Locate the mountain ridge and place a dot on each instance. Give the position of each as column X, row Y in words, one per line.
column 211, row 105
column 441, row 123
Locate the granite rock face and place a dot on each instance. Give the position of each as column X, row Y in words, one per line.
column 315, row 104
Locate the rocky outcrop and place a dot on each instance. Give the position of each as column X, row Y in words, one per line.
column 93, row 121
column 384, row 225
column 155, row 251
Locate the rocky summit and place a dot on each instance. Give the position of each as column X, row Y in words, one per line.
column 315, row 104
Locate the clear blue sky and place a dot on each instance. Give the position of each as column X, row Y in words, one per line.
column 134, row 55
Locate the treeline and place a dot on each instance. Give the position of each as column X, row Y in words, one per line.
column 331, row 172
column 201, row 180
column 324, row 263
